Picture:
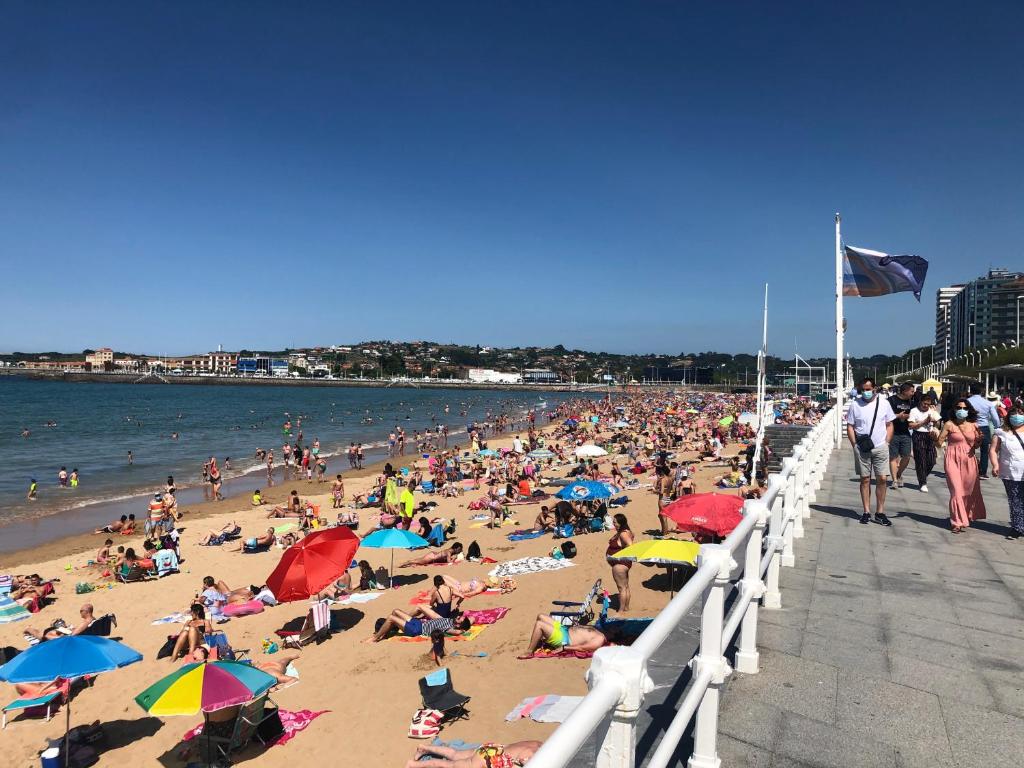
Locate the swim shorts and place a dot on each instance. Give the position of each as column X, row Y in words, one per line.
column 414, row 627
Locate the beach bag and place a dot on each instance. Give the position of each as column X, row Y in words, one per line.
column 167, row 648
column 270, row 728
column 381, row 576
column 426, row 723
column 473, row 551
column 568, row 550
column 596, row 524
column 564, row 531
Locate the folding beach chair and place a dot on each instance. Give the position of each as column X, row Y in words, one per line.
column 6, row 582
column 218, row 641
column 438, row 693
column 316, row 627
column 249, row 718
column 581, row 612
column 44, row 705
column 427, row 486
column 102, row 626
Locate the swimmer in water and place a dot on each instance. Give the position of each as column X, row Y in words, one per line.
column 33, row 488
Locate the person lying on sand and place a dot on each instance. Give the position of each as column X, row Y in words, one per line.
column 216, row 538
column 26, row 588
column 451, row 555
column 415, row 627
column 115, row 527
column 278, row 667
column 488, row 755
column 193, row 634
column 35, row 690
column 464, row 589
column 215, row 592
column 258, row 542
column 556, row 637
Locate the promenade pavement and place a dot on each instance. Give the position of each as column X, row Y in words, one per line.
column 899, row 646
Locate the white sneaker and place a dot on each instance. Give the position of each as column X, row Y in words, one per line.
column 924, row 489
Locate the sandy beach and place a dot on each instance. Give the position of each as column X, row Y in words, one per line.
column 368, row 691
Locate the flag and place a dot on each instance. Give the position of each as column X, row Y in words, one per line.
column 872, row 273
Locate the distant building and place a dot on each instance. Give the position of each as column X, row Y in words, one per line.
column 490, row 376
column 540, row 376
column 978, row 314
column 102, row 359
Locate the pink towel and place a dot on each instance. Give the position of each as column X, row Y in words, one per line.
column 486, row 616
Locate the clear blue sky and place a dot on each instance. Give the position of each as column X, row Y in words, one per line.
column 614, row 176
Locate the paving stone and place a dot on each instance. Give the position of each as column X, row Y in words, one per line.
column 891, row 713
column 1008, row 693
column 933, row 651
column 944, row 628
column 815, row 743
column 791, row 683
column 739, row 754
column 866, row 633
column 981, row 737
column 779, row 637
column 942, row 681
column 749, row 720
column 848, row 654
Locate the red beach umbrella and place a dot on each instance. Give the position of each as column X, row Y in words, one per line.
column 309, row 565
column 714, row 514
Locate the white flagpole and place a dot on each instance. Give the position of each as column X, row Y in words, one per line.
column 840, row 359
column 762, row 389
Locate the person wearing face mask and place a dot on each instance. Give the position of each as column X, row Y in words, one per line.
column 922, row 423
column 869, row 429
column 902, row 403
column 962, row 439
column 1006, row 455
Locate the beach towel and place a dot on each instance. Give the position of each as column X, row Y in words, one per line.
column 544, row 709
column 525, row 535
column 293, row 722
column 486, row 616
column 470, row 634
column 529, row 565
column 562, row 654
column 174, row 618
column 362, row 597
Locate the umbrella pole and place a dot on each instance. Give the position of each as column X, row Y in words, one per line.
column 67, row 730
column 209, row 741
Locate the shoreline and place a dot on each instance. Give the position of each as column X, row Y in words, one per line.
column 281, row 381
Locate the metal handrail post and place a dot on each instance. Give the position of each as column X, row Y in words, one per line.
column 789, row 512
column 773, row 597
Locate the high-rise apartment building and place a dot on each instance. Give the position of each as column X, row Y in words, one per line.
column 978, row 314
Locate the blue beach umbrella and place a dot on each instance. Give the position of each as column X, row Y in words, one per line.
column 68, row 658
column 584, row 490
column 393, row 538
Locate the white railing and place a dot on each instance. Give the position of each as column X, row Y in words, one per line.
column 618, row 679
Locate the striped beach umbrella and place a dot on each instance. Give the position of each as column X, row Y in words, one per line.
column 205, row 687
column 11, row 611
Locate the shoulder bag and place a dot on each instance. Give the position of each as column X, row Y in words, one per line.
column 864, row 442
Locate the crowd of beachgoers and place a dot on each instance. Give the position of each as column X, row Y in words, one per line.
column 501, row 522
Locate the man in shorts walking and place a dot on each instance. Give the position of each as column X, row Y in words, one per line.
column 901, row 445
column 869, row 429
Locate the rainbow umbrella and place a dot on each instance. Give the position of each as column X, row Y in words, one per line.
column 205, row 687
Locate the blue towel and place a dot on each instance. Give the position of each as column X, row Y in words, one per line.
column 440, row 677
column 524, row 536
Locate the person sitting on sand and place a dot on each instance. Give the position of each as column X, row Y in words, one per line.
column 489, row 755
column 556, row 637
column 444, row 601
column 422, row 527
column 115, row 527
column 87, row 619
column 216, row 538
column 545, row 520
column 278, row 667
column 217, row 594
column 257, row 498
column 129, row 526
column 103, row 553
column 446, row 557
column 193, row 634
column 416, row 627
column 25, row 589
column 294, row 508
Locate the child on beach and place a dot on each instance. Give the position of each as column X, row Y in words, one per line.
column 338, row 491
column 33, row 488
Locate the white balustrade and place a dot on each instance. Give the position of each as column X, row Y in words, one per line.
column 618, row 679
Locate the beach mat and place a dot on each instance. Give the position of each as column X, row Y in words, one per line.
column 563, row 654
column 487, row 615
column 551, row 708
column 529, row 565
column 471, row 634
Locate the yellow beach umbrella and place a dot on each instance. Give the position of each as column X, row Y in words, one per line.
column 668, row 552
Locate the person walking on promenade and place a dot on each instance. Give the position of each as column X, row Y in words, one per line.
column 869, row 429
column 988, row 422
column 923, row 420
column 962, row 439
column 1007, row 458
column 902, row 403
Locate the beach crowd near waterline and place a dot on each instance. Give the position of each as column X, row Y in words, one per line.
column 657, row 448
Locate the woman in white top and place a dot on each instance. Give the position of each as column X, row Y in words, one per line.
column 1006, row 455
column 923, row 422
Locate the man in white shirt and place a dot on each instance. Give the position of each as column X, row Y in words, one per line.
column 869, row 429
column 988, row 422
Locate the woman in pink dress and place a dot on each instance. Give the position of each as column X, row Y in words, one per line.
column 962, row 438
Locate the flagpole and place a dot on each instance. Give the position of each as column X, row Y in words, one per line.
column 840, row 360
